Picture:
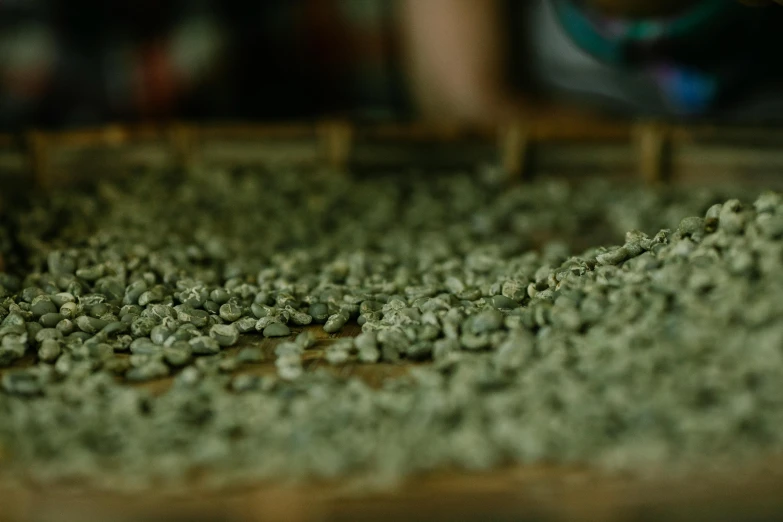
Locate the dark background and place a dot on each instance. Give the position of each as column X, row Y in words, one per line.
column 80, row 62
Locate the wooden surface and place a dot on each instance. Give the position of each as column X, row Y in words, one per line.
column 540, row 493
column 373, row 374
column 568, row 147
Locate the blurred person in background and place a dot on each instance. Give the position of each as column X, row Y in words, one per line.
column 652, row 57
column 85, row 62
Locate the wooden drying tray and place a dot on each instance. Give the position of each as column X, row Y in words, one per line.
column 571, row 147
column 557, row 146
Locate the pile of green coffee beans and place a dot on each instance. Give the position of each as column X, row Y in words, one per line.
column 664, row 350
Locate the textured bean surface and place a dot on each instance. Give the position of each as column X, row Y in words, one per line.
column 504, row 330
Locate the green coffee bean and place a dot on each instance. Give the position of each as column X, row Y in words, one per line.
column 12, row 348
column 49, row 350
column 134, row 291
column 230, row 312
column 220, row 296
column 159, row 334
column 199, row 318
column 178, row 354
column 150, row 371
column 89, row 325
column 289, row 367
column 319, row 312
column 250, row 355
column 50, row 320
column 245, row 324
column 48, row 333
column 144, row 346
column 69, row 310
column 276, row 330
column 33, row 329
column 203, row 345
column 224, row 334
column 503, row 302
column 114, row 328
column 335, row 323
column 42, row 305
column 21, row 382
column 142, row 327
column 90, row 273
column 153, row 295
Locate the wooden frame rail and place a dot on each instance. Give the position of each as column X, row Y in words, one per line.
column 650, row 151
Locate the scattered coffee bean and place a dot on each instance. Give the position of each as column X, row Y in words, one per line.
column 277, row 330
column 526, row 350
column 204, row 345
column 224, row 334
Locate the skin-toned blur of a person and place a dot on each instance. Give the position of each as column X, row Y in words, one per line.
column 456, row 52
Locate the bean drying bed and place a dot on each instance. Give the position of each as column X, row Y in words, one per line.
column 654, row 153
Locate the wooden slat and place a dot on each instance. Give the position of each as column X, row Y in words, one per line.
column 38, row 148
column 61, row 157
column 580, row 130
column 652, row 140
column 532, row 493
column 336, row 143
column 423, row 132
column 109, row 135
column 514, row 144
column 255, row 131
column 731, row 135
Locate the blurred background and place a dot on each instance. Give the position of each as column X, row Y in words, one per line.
column 81, row 62
column 86, row 62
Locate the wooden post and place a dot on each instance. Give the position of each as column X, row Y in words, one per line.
column 513, row 144
column 38, row 153
column 652, row 140
column 2, row 269
column 337, row 143
column 182, row 137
